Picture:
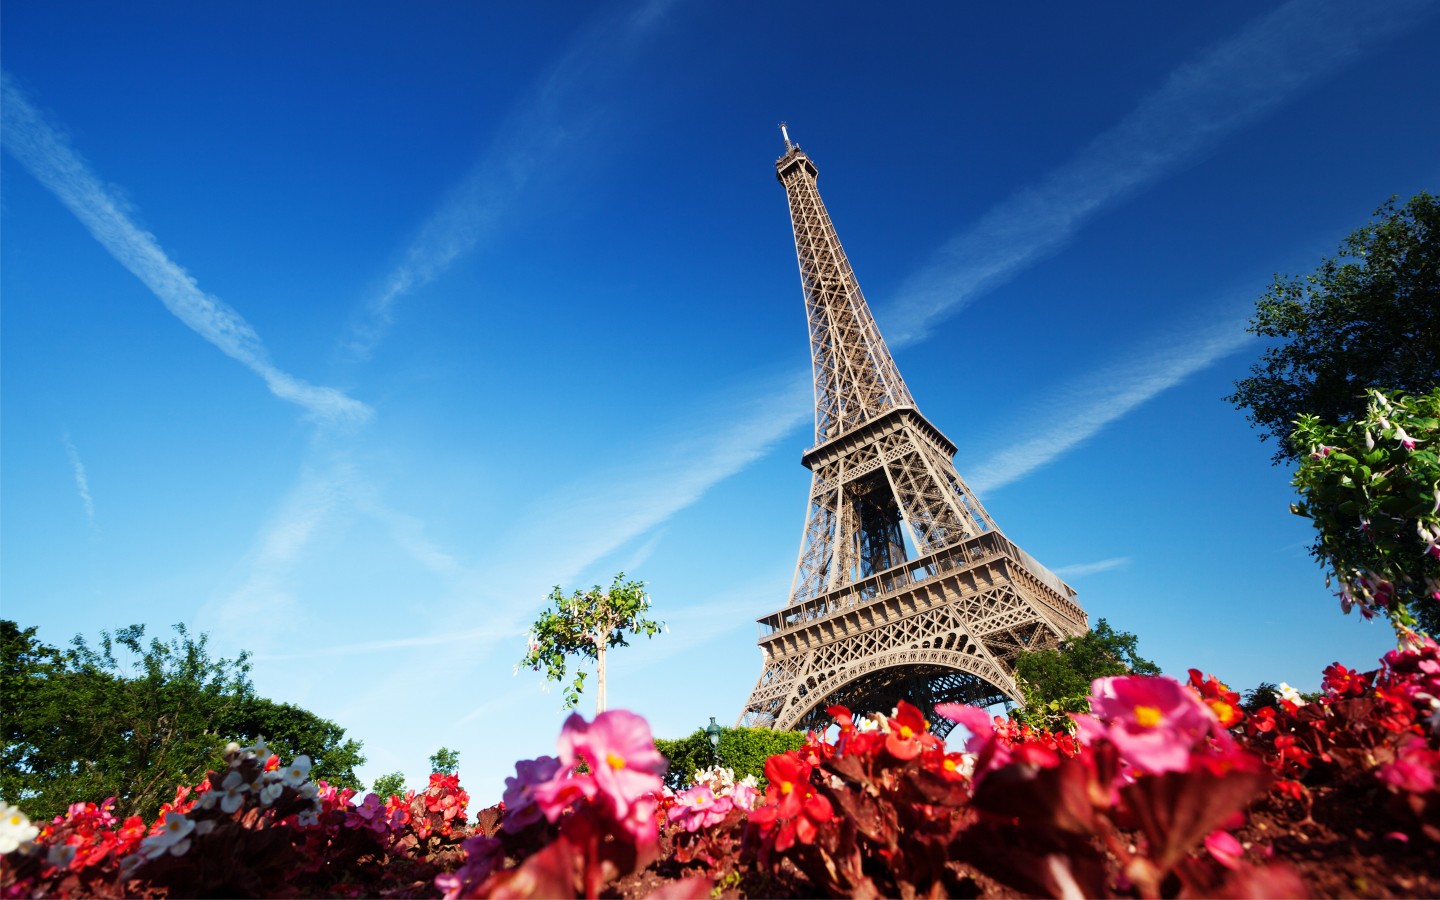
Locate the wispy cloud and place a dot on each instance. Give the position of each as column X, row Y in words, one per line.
column 315, row 500
column 45, row 151
column 1080, row 570
column 612, row 507
column 1227, row 87
column 1077, row 413
column 82, row 484
column 530, row 140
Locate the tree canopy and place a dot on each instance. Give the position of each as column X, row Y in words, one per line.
column 1057, row 681
column 131, row 719
column 1367, row 318
column 585, row 625
column 1372, row 489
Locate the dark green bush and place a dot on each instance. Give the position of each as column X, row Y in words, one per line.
column 742, row 749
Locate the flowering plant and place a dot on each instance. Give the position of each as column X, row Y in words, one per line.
column 1372, row 488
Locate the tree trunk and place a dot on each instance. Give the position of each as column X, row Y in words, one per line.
column 600, row 642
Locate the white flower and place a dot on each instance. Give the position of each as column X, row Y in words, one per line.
column 271, row 792
column 233, row 790
column 205, row 826
column 1289, row 693
column 60, row 855
column 298, row 771
column 16, row 832
column 308, row 818
column 176, row 831
column 309, row 790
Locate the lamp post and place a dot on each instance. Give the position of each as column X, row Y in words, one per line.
column 712, row 731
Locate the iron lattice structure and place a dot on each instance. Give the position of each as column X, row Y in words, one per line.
column 905, row 588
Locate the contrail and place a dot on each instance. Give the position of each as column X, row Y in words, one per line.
column 1226, row 88
column 46, row 153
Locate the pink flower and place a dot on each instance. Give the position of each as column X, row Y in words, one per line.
column 520, row 806
column 745, row 795
column 369, row 813
column 984, row 744
column 1152, row 720
column 620, row 752
column 1227, row 851
column 698, row 808
column 1413, row 770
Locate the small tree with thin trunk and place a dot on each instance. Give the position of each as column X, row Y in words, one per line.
column 586, row 624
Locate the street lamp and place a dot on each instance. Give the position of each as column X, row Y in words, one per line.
column 712, row 731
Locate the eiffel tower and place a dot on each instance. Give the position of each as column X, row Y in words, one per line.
column 905, row 588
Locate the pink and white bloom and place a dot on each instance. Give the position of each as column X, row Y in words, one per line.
column 699, row 807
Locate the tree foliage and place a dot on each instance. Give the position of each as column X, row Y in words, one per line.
column 585, row 625
column 742, row 749
column 1372, row 488
column 391, row 785
column 1056, row 682
column 445, row 761
column 1367, row 318
column 131, row 719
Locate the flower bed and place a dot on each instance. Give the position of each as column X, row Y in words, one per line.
column 1163, row 789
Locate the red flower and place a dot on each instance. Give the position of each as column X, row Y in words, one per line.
column 1344, row 682
column 1223, row 702
column 792, row 810
column 909, row 733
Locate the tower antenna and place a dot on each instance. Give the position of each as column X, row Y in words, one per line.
column 786, row 135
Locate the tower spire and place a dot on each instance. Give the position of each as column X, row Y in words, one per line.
column 904, row 587
column 855, row 377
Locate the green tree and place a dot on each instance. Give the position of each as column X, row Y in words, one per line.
column 1367, row 318
column 1371, row 486
column 1056, row 682
column 132, row 719
column 392, row 785
column 445, row 761
column 585, row 625
column 290, row 731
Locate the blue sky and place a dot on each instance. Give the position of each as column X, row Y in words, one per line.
column 344, row 331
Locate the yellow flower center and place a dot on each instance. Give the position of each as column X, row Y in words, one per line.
column 616, row 761
column 906, row 733
column 786, row 787
column 1148, row 716
column 950, row 765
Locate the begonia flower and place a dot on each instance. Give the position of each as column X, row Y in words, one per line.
column 909, row 733
column 298, row 772
column 1152, row 720
column 699, row 807
column 986, row 749
column 792, row 809
column 1413, row 769
column 620, row 752
column 232, row 792
column 1226, row 850
column 16, row 830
